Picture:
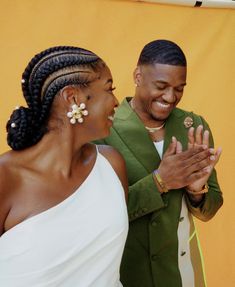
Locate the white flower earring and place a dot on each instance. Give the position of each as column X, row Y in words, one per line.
column 77, row 113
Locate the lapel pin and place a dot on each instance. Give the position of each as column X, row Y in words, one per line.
column 188, row 122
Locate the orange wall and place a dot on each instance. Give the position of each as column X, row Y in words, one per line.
column 117, row 31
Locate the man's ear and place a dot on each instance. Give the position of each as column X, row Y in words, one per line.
column 73, row 95
column 137, row 76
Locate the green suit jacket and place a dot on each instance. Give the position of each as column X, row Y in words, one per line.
column 150, row 257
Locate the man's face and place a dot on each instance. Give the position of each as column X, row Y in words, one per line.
column 159, row 89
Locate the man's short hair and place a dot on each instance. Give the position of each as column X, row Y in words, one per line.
column 162, row 52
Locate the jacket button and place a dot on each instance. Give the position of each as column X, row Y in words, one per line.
column 181, row 219
column 182, row 253
column 144, row 209
column 154, row 223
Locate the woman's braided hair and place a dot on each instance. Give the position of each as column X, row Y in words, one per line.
column 46, row 74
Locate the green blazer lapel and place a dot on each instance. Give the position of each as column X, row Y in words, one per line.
column 133, row 133
column 175, row 127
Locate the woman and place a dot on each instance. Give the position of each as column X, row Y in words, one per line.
column 63, row 219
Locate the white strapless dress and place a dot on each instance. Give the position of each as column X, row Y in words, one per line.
column 77, row 243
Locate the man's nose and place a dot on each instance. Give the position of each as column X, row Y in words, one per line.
column 169, row 95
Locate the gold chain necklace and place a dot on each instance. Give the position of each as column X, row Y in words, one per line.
column 152, row 130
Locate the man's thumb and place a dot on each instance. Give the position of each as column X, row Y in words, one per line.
column 172, row 147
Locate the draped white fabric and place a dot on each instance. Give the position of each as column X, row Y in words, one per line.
column 78, row 242
column 194, row 3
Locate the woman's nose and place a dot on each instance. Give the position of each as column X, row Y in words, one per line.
column 116, row 103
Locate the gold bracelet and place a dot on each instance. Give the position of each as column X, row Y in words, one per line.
column 160, row 181
column 203, row 190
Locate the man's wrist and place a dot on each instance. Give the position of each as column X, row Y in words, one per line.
column 160, row 182
column 203, row 190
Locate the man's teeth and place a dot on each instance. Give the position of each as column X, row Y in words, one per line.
column 164, row 106
column 110, row 118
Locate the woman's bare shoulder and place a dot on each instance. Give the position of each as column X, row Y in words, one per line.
column 6, row 181
column 110, row 153
column 118, row 163
column 5, row 168
column 9, row 172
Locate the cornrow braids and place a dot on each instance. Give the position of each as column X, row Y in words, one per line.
column 46, row 74
column 162, row 52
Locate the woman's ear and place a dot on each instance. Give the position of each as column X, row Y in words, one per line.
column 68, row 94
column 71, row 95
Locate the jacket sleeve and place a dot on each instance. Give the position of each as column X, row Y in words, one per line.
column 212, row 200
column 143, row 196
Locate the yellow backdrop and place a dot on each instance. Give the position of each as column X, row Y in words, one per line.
column 117, row 31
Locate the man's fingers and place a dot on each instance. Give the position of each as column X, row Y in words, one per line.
column 205, row 139
column 172, row 147
column 216, row 156
column 188, row 154
column 205, row 165
column 179, row 147
column 198, row 175
column 198, row 165
column 190, row 137
column 198, row 135
column 218, row 152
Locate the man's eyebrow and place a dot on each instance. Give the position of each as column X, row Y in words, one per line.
column 164, row 82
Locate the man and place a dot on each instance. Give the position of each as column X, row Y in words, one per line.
column 170, row 163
